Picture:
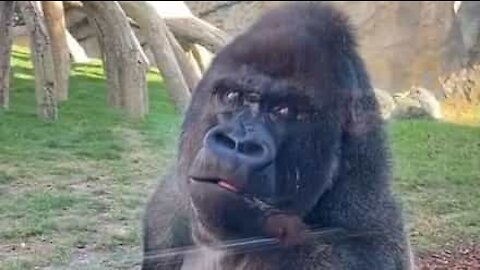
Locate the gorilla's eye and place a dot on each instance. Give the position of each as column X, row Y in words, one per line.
column 281, row 111
column 286, row 112
column 231, row 97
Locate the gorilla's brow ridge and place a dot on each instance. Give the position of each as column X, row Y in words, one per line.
column 278, row 92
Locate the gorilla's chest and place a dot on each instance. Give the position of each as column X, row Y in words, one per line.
column 206, row 259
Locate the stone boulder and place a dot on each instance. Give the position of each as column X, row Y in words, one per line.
column 386, row 102
column 417, row 103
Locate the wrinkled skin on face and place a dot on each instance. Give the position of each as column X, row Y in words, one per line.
column 277, row 140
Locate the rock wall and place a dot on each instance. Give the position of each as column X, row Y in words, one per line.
column 403, row 43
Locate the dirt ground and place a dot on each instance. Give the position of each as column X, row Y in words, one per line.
column 463, row 257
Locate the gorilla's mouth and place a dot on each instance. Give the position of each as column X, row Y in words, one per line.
column 226, row 184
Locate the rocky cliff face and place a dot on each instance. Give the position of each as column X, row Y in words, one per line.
column 403, row 43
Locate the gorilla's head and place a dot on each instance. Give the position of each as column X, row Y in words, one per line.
column 269, row 119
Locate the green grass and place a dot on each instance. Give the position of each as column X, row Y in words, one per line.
column 437, row 172
column 78, row 184
column 86, row 127
column 72, row 191
column 35, row 213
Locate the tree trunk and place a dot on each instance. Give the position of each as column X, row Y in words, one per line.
column 202, row 56
column 72, row 4
column 126, row 62
column 195, row 30
column 189, row 48
column 188, row 28
column 189, row 69
column 55, row 19
column 43, row 61
column 182, row 23
column 109, row 67
column 6, row 16
column 156, row 32
column 76, row 50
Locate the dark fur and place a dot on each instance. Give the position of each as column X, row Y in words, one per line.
column 311, row 47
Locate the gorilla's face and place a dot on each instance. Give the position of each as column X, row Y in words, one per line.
column 266, row 121
column 266, row 139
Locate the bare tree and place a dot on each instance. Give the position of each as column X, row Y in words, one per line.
column 202, row 56
column 43, row 61
column 183, row 24
column 189, row 69
column 55, row 19
column 126, row 63
column 195, row 30
column 155, row 30
column 6, row 18
column 108, row 66
column 76, row 50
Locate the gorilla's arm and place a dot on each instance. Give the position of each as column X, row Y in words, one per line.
column 166, row 226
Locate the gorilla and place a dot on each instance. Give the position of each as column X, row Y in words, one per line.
column 283, row 160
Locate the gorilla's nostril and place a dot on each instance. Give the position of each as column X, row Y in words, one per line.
column 250, row 148
column 224, row 140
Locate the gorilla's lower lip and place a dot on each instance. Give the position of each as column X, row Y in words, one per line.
column 228, row 186
column 220, row 182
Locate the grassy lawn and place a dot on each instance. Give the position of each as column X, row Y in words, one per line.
column 72, row 192
column 437, row 177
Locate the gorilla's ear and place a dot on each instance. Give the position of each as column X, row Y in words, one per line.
column 360, row 114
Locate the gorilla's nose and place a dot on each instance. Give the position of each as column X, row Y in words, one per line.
column 249, row 147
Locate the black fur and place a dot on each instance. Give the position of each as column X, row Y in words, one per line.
column 335, row 166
